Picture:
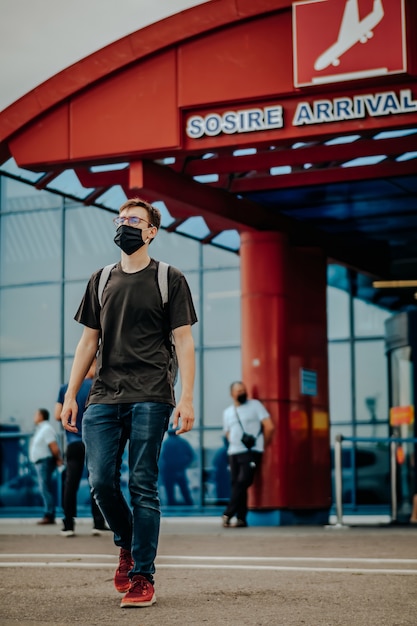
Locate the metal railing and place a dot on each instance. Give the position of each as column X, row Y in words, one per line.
column 338, row 465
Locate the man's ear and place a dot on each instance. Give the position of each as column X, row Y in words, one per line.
column 152, row 233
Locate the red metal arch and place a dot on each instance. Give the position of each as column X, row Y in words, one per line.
column 130, row 102
column 139, row 45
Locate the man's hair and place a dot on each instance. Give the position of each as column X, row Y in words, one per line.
column 236, row 382
column 44, row 413
column 154, row 214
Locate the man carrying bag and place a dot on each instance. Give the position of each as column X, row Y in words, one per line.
column 248, row 428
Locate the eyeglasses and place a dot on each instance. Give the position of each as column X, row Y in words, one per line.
column 133, row 220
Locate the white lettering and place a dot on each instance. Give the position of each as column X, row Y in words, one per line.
column 343, row 109
column 323, row 111
column 273, row 117
column 244, row 121
column 230, row 122
column 195, row 127
column 407, row 103
column 358, row 107
column 316, row 112
column 303, row 115
column 340, row 109
column 372, row 104
column 213, row 124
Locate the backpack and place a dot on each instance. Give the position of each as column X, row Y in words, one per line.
column 163, row 289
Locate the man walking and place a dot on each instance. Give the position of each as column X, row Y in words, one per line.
column 132, row 396
column 252, row 418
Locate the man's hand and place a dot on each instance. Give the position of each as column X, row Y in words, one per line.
column 184, row 413
column 69, row 415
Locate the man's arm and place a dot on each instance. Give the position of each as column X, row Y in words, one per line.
column 84, row 354
column 56, row 452
column 268, row 430
column 58, row 411
column 184, row 346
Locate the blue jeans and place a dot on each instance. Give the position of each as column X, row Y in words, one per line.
column 106, row 430
column 45, row 469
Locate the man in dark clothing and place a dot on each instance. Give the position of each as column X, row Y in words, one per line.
column 132, row 396
column 75, row 462
column 176, row 456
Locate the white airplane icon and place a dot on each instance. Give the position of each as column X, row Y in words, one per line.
column 351, row 31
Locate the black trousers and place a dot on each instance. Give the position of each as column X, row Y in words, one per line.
column 74, row 467
column 242, row 472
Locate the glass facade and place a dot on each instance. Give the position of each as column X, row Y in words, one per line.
column 358, row 367
column 50, row 245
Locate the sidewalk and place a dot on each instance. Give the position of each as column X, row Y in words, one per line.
column 206, row 574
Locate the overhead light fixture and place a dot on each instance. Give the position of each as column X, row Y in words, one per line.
column 394, row 284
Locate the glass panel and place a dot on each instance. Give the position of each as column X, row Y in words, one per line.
column 340, row 387
column 11, row 167
column 26, row 386
column 214, row 257
column 371, row 384
column 216, row 473
column 180, row 475
column 337, row 313
column 177, row 250
column 221, row 368
column 338, row 429
column 113, row 198
column 195, row 227
column 380, row 429
column 337, row 276
column 30, row 247
column 401, row 377
column 68, row 184
column 72, row 329
column 88, row 241
column 193, row 283
column 19, row 196
column 30, row 322
column 369, row 319
column 222, row 308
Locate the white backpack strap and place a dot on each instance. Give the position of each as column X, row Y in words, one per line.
column 163, row 281
column 104, row 277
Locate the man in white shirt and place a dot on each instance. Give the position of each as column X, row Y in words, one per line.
column 250, row 417
column 44, row 452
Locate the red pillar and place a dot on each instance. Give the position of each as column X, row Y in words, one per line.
column 284, row 332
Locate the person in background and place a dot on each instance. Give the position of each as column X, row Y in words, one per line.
column 249, row 416
column 75, row 461
column 221, row 472
column 45, row 454
column 176, row 456
column 132, row 396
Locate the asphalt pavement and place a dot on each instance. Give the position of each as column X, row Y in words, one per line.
column 206, row 574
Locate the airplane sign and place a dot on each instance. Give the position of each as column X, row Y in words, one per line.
column 343, row 40
column 351, row 31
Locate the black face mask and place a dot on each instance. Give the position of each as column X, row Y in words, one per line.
column 242, row 397
column 128, row 239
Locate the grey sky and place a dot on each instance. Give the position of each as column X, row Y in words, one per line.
column 39, row 38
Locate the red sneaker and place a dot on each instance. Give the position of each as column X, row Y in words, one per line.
column 121, row 578
column 141, row 593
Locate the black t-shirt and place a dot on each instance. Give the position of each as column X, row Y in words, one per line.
column 133, row 357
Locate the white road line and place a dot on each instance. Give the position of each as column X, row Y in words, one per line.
column 86, row 561
column 222, row 559
column 319, row 559
column 57, row 555
column 276, row 568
